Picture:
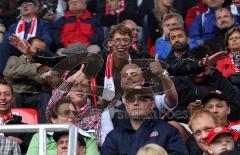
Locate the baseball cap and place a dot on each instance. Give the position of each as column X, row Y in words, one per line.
column 81, row 135
column 214, row 94
column 217, row 131
column 138, row 91
column 27, row 1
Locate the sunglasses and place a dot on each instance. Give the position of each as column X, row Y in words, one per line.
column 140, row 98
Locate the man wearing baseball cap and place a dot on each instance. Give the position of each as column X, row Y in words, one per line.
column 62, row 139
column 141, row 129
column 217, row 103
column 220, row 139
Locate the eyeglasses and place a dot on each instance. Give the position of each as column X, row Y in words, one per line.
column 68, row 113
column 140, row 98
column 125, row 41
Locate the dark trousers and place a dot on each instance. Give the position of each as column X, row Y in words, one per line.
column 36, row 101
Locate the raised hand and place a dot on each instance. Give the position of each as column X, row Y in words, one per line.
column 21, row 44
column 156, row 67
column 78, row 76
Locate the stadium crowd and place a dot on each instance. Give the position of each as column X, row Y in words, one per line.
column 145, row 77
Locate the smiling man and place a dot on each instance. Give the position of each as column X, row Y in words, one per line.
column 6, row 101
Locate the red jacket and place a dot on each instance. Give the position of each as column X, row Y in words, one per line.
column 84, row 29
column 226, row 67
column 193, row 12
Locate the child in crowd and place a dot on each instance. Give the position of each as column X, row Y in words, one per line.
column 220, row 139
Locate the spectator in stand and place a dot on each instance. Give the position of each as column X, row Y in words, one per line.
column 230, row 65
column 62, row 140
column 77, row 26
column 218, row 104
column 6, row 100
column 162, row 45
column 204, row 25
column 27, row 26
column 9, row 147
column 132, row 76
column 28, row 76
column 196, row 86
column 62, row 112
column 224, row 22
column 220, row 139
column 201, row 122
column 136, row 46
column 193, row 12
column 155, row 18
column 141, row 129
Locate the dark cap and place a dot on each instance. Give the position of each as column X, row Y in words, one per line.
column 81, row 141
column 138, row 91
column 214, row 94
column 27, row 1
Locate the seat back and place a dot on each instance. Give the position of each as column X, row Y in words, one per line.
column 29, row 115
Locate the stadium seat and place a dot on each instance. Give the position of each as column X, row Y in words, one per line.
column 29, row 115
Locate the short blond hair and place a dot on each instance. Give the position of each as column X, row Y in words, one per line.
column 199, row 113
column 152, row 149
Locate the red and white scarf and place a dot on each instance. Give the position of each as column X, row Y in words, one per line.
column 108, row 80
column 5, row 118
column 20, row 30
column 113, row 12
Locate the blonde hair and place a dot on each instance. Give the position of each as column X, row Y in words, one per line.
column 200, row 113
column 160, row 11
column 152, row 149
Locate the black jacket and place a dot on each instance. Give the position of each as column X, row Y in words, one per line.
column 25, row 137
column 188, row 91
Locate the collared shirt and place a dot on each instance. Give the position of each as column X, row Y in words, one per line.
column 126, row 141
column 8, row 147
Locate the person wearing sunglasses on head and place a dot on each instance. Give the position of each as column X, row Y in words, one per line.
column 141, row 128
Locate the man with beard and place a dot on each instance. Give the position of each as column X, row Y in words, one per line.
column 224, row 22
column 141, row 129
column 179, row 42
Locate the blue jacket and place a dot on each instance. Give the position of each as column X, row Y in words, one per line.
column 126, row 141
column 204, row 26
column 162, row 48
column 43, row 31
column 7, row 50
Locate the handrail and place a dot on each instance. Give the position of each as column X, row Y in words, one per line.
column 43, row 129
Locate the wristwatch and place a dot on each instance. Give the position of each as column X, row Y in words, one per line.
column 165, row 74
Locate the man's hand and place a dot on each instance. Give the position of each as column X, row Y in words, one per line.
column 210, row 60
column 15, row 139
column 78, row 76
column 156, row 67
column 22, row 45
column 194, row 106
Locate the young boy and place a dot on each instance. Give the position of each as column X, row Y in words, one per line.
column 220, row 139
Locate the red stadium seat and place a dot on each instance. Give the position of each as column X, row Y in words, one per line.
column 29, row 115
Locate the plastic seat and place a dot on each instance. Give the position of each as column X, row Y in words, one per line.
column 29, row 115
